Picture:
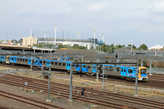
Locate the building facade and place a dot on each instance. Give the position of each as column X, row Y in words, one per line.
column 29, row 41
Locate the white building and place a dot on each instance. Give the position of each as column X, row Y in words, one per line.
column 84, row 43
column 156, row 47
column 29, row 41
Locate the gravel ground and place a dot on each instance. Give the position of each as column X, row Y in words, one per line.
column 110, row 85
column 13, row 104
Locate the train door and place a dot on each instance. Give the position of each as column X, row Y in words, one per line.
column 78, row 68
column 68, row 66
column 123, row 71
column 48, row 63
column 94, row 69
column 84, row 68
column 12, row 59
column 29, row 62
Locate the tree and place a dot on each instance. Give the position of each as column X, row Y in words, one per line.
column 76, row 46
column 133, row 46
column 119, row 46
column 143, row 47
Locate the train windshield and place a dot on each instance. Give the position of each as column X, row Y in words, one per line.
column 143, row 71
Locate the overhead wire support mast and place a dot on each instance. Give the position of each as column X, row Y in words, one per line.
column 103, row 77
column 55, row 34
column 136, row 81
column 70, row 85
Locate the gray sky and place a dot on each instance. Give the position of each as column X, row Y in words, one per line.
column 121, row 21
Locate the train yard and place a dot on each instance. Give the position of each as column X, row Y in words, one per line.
column 97, row 54
column 92, row 96
column 84, row 84
column 106, row 99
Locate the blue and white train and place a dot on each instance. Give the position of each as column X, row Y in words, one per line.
column 126, row 72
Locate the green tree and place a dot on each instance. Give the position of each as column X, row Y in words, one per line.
column 78, row 47
column 133, row 46
column 143, row 47
column 119, row 46
column 108, row 48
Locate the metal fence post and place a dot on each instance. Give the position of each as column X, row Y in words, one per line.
column 70, row 85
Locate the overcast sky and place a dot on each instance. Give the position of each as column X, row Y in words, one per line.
column 121, row 21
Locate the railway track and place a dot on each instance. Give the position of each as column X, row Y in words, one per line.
column 93, row 96
column 158, row 77
column 61, row 92
column 3, row 107
column 35, row 103
column 156, row 80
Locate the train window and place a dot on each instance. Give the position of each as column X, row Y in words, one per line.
column 130, row 70
column 84, row 66
column 59, row 64
column 143, row 71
